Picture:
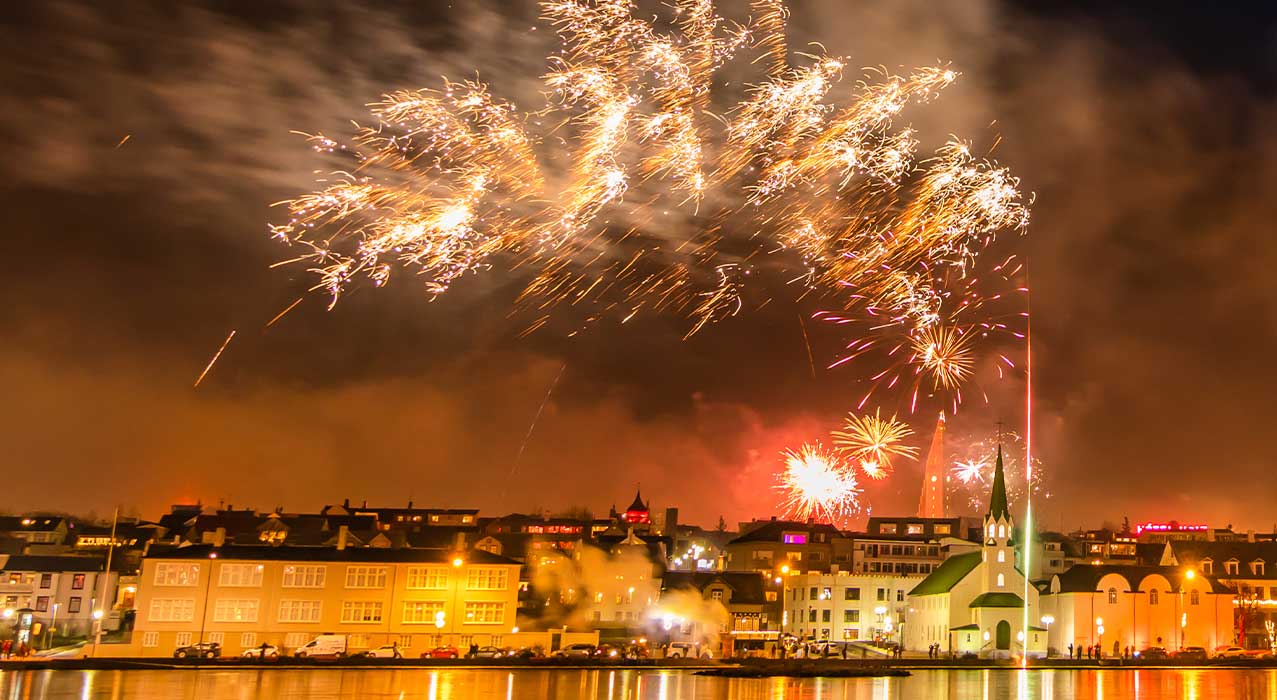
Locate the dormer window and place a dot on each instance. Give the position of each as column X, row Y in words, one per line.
column 1257, row 567
column 1207, row 566
column 1231, row 567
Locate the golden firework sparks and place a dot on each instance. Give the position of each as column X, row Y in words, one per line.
column 944, row 354
column 815, row 484
column 662, row 204
column 871, row 441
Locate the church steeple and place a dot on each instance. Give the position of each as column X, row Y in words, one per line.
column 998, row 507
column 931, row 505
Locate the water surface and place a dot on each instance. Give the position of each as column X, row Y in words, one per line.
column 593, row 684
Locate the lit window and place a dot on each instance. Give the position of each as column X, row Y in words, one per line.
column 172, row 610
column 150, row 639
column 486, row 579
column 429, row 578
column 792, row 538
column 361, row 611
column 913, row 528
column 216, row 637
column 240, row 575
column 248, row 640
column 235, row 610
column 304, row 576
column 299, row 610
column 421, row 612
column 365, row 577
column 172, row 574
column 1002, row 531
column 1002, row 555
column 484, row 613
column 1001, row 581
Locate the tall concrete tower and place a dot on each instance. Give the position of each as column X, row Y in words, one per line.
column 931, row 505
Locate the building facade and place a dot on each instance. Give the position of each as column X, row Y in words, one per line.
column 842, row 606
column 242, row 596
column 776, row 546
column 62, row 592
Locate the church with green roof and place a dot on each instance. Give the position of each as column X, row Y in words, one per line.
column 972, row 603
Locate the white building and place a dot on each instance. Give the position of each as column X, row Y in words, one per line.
column 61, row 592
column 972, row 603
column 842, row 606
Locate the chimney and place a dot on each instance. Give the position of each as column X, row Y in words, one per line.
column 409, row 504
column 219, row 537
column 346, row 504
column 459, row 541
column 365, row 503
column 343, row 533
column 1250, row 536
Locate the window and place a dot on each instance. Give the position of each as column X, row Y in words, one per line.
column 428, row 578
column 216, row 637
column 900, row 596
column 887, row 528
column 365, row 577
column 421, row 612
column 716, row 594
column 361, row 610
column 882, row 594
column 1231, row 567
column 943, row 528
column 1257, row 567
column 824, row 615
column 172, row 610
column 295, row 639
column 770, row 596
column 763, row 554
column 485, row 579
column 304, row 576
column 73, row 605
column 1112, row 596
column 811, row 615
column 794, row 538
column 1002, row 581
column 814, row 592
column 46, row 580
column 77, row 582
column 913, row 529
column 172, row 574
column 240, row 575
column 1193, row 598
column 235, row 610
column 1002, row 555
column 150, row 639
column 485, row 613
column 826, row 593
column 851, row 593
column 1152, row 597
column 851, row 616
column 299, row 610
column 1002, row 531
column 183, row 639
column 990, row 529
column 405, row 640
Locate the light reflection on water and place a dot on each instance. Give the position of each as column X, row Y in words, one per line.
column 570, row 684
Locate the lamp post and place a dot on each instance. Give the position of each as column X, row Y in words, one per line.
column 457, row 563
column 1099, row 636
column 1046, row 621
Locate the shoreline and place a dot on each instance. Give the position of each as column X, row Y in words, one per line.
column 746, row 668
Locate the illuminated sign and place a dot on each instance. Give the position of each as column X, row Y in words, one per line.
column 1172, row 526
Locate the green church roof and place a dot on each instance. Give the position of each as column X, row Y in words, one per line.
column 997, row 600
column 948, row 574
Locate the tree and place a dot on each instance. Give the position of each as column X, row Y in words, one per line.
column 722, row 524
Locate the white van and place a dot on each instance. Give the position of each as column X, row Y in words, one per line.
column 323, row 645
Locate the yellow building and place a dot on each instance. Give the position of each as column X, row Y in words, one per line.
column 242, row 596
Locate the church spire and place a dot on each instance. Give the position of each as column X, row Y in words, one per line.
column 931, row 504
column 998, row 498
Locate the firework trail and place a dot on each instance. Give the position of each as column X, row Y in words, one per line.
column 815, row 484
column 213, row 361
column 664, row 205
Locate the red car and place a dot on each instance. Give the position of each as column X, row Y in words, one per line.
column 444, row 652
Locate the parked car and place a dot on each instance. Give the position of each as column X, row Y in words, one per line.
column 203, row 650
column 489, row 652
column 1190, row 654
column 443, row 652
column 385, row 651
column 686, row 650
column 576, row 651
column 1259, row 653
column 1229, row 651
column 529, row 653
column 607, row 651
column 324, row 645
column 267, row 651
column 1153, row 654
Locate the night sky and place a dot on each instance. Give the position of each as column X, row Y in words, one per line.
column 1145, row 132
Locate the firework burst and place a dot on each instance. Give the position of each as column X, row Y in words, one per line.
column 870, row 442
column 662, row 202
column 816, row 484
column 973, row 465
